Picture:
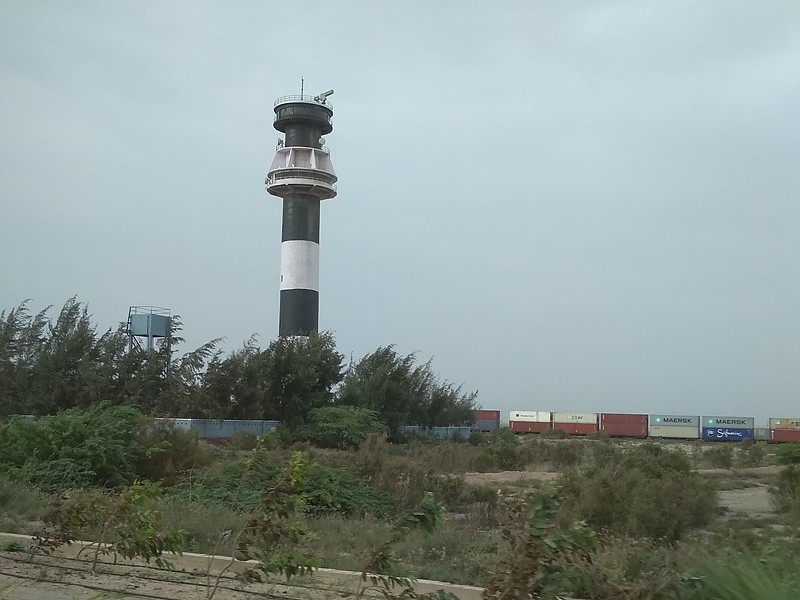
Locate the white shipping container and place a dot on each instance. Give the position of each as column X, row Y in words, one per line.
column 530, row 416
column 567, row 417
column 671, row 431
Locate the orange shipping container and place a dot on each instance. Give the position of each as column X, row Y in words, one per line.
column 784, row 435
column 576, row 428
column 624, row 425
column 528, row 426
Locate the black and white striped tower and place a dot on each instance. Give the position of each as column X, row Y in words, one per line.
column 302, row 174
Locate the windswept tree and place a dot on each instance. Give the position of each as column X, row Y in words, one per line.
column 403, row 392
column 47, row 366
column 285, row 381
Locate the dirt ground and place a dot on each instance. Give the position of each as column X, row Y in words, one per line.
column 64, row 579
column 508, row 477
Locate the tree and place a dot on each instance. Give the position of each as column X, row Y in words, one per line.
column 403, row 393
column 284, row 382
column 299, row 374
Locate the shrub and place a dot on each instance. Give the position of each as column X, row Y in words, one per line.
column 647, row 491
column 340, row 426
column 101, row 446
column 719, row 457
column 554, row 434
column 542, row 558
column 785, row 494
column 788, row 454
column 244, row 441
column 327, row 490
column 75, row 448
column 750, row 455
column 478, row 438
column 168, row 451
column 127, row 524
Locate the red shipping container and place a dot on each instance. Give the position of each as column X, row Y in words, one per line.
column 576, row 428
column 527, row 426
column 624, row 425
column 486, row 415
column 784, row 435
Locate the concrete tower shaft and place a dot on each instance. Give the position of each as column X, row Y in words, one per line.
column 302, row 175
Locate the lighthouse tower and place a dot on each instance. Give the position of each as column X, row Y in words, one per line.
column 302, row 175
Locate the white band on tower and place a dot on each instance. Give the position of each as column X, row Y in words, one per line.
column 299, row 265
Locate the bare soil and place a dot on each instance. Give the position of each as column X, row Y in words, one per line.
column 509, row 477
column 65, row 579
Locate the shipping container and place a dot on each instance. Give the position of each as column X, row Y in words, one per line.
column 727, row 434
column 785, row 423
column 675, row 421
column 784, row 435
column 624, row 425
column 486, row 415
column 761, row 433
column 528, row 426
column 568, row 417
column 674, row 431
column 485, row 425
column 733, row 422
column 529, row 415
column 576, row 428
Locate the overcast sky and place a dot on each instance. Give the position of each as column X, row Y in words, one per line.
column 587, row 206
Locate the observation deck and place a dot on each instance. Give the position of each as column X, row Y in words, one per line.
column 315, row 111
column 298, row 169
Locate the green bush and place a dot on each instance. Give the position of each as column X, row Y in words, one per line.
column 327, row 490
column 788, row 454
column 478, row 438
column 719, row 457
column 647, row 491
column 244, row 440
column 750, row 455
column 168, row 451
column 786, row 492
column 554, row 434
column 75, row 448
column 340, row 427
column 101, row 446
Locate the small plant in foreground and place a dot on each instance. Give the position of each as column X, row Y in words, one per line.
column 542, row 558
column 127, row 519
column 12, row 546
column 427, row 517
column 271, row 536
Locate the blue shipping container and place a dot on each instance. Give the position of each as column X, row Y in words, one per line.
column 727, row 434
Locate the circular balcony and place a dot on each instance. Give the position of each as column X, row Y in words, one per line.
column 292, row 180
